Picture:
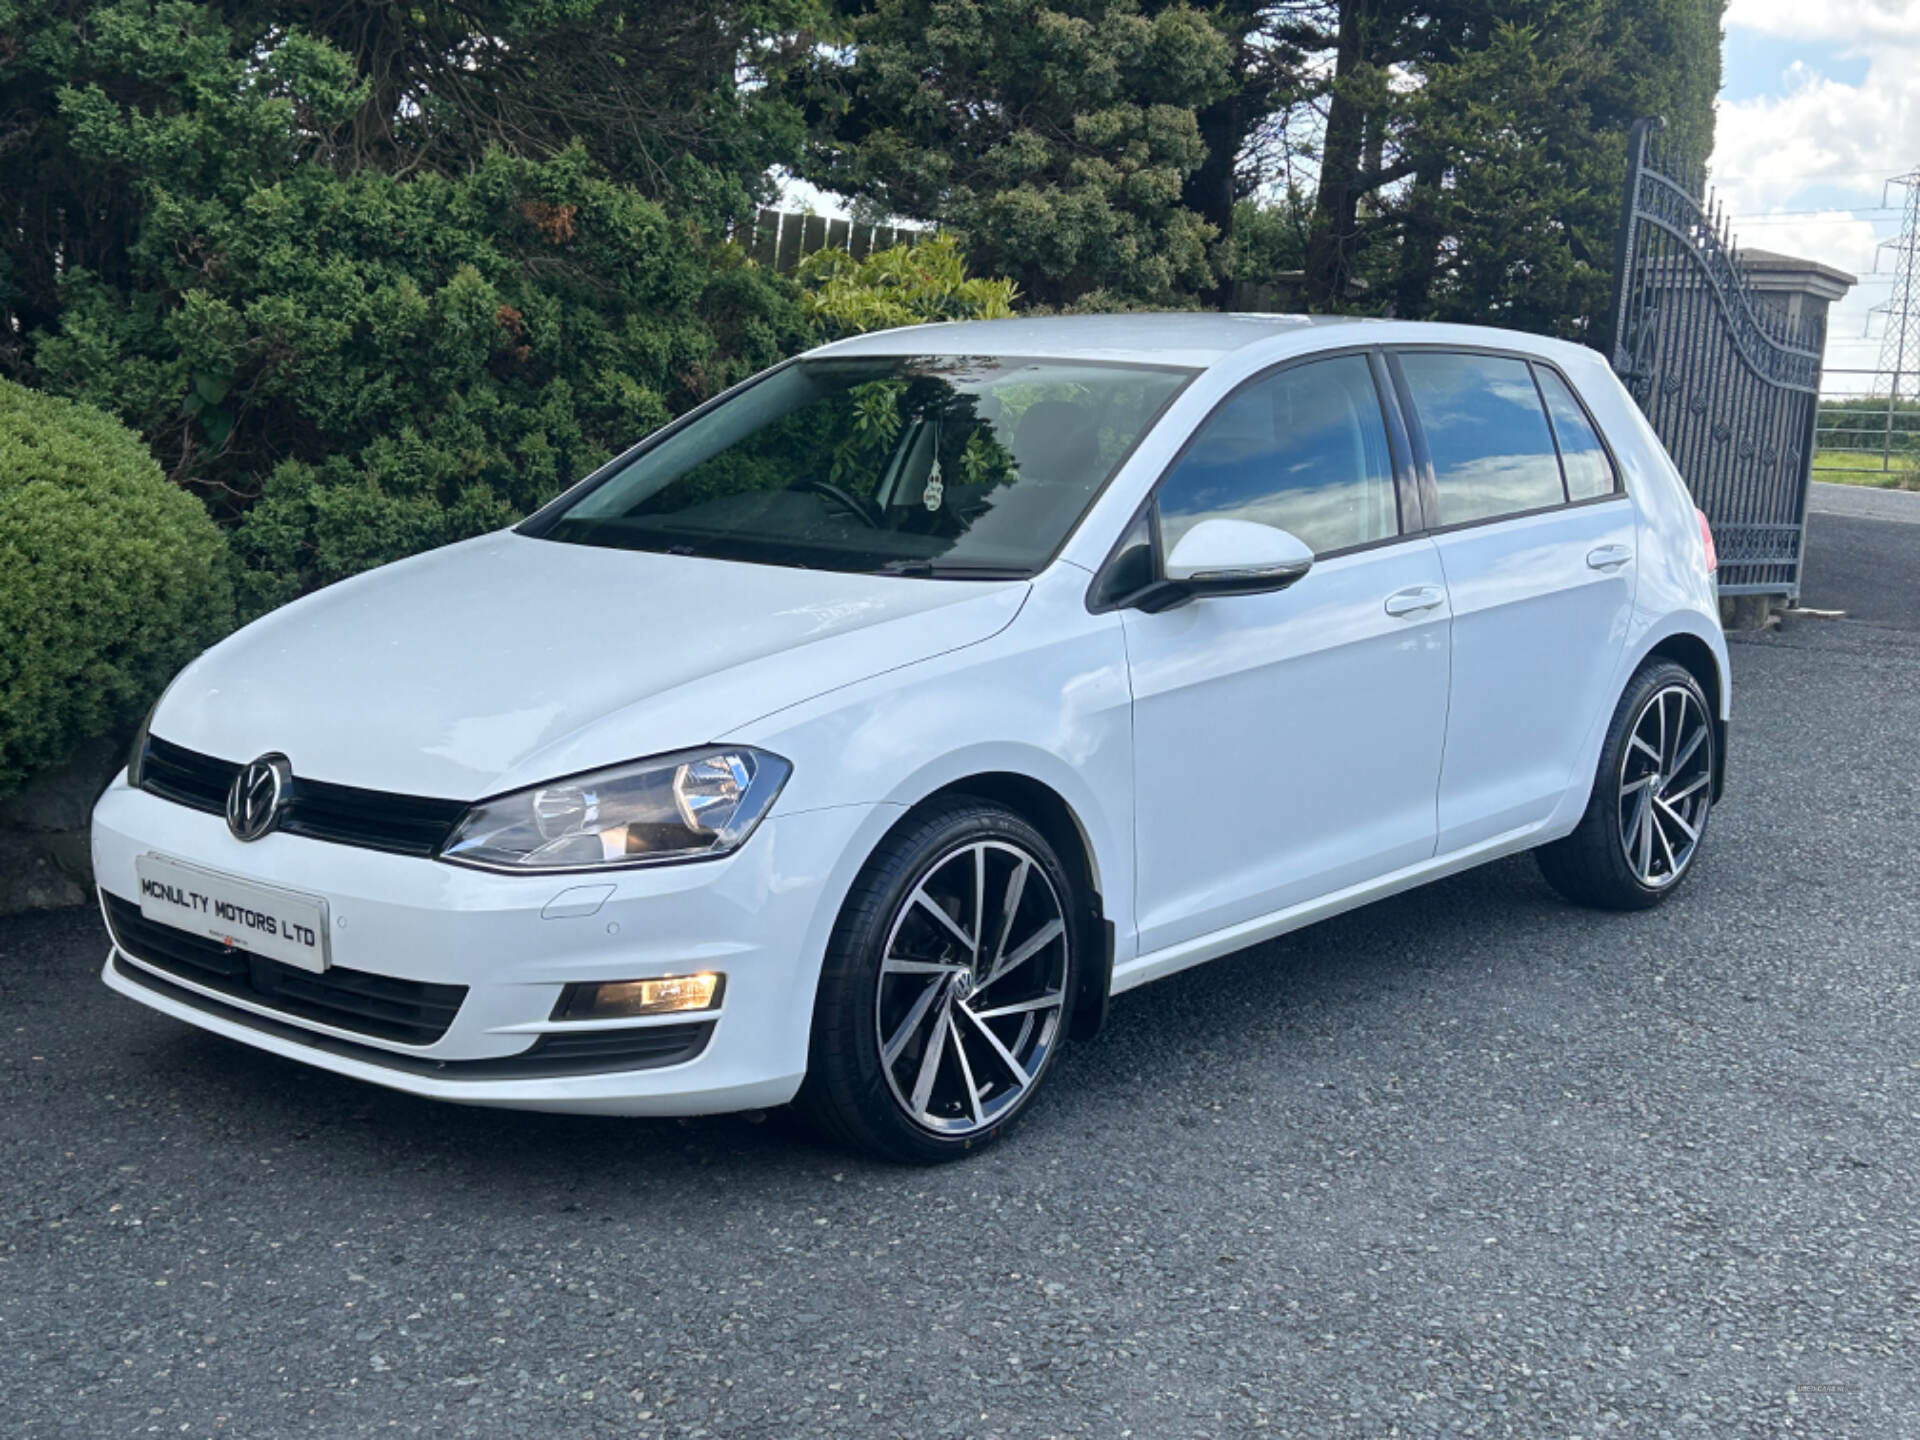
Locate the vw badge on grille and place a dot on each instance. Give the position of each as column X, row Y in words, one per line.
column 259, row 792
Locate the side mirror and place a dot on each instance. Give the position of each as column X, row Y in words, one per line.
column 1236, row 557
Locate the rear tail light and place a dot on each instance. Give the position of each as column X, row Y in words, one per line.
column 1706, row 539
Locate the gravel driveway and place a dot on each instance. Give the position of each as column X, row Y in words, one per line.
column 1467, row 1163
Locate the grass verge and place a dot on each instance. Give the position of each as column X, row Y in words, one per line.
column 1860, row 467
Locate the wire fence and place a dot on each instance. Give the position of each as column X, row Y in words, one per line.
column 1865, row 430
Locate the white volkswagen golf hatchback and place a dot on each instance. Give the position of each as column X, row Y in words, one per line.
column 854, row 738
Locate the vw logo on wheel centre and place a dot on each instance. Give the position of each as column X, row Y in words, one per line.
column 258, row 794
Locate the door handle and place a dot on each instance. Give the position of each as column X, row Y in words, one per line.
column 1606, row 557
column 1414, row 599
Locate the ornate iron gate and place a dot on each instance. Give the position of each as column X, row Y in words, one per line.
column 1729, row 383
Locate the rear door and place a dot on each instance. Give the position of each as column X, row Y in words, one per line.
column 1287, row 745
column 1538, row 543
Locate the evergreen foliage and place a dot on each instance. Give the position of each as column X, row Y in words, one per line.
column 1055, row 137
column 348, row 362
column 1475, row 151
column 110, row 579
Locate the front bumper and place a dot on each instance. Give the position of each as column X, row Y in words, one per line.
column 760, row 917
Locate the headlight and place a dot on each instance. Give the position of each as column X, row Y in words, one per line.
column 689, row 806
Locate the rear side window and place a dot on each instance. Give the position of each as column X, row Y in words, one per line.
column 1303, row 449
column 1487, row 433
column 1589, row 471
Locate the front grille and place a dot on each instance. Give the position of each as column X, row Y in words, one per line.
column 658, row 1045
column 342, row 814
column 374, row 819
column 410, row 1011
column 186, row 778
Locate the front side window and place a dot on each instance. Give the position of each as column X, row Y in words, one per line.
column 1486, row 432
column 943, row 465
column 1303, row 449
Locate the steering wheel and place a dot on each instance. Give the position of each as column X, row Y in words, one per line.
column 847, row 502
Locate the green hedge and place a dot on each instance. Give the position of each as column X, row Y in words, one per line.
column 111, row 579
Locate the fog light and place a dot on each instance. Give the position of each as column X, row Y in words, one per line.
column 622, row 999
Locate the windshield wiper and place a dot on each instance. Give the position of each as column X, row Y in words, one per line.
column 935, row 570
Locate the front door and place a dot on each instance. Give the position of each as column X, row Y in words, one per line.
column 1288, row 745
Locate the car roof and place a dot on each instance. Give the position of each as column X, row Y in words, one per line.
column 1196, row 338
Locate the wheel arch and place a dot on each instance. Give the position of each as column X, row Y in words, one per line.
column 1694, row 655
column 1683, row 640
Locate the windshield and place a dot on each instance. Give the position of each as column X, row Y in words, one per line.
column 948, row 465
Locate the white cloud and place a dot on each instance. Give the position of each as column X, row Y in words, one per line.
column 1821, row 132
column 1833, row 237
column 1835, row 19
column 1817, row 141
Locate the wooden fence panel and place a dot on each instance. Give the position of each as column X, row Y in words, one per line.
column 790, row 252
column 765, row 245
column 813, row 234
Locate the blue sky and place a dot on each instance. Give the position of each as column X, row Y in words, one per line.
column 1757, row 64
column 1820, row 106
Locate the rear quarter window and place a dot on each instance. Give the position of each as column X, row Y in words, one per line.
column 1589, row 470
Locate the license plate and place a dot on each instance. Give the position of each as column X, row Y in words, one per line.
column 261, row 919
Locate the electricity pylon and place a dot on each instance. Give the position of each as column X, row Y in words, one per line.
column 1900, row 350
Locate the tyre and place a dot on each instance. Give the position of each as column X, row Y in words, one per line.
column 944, row 994
column 1651, row 795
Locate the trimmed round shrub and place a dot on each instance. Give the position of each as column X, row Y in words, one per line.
column 111, row 579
